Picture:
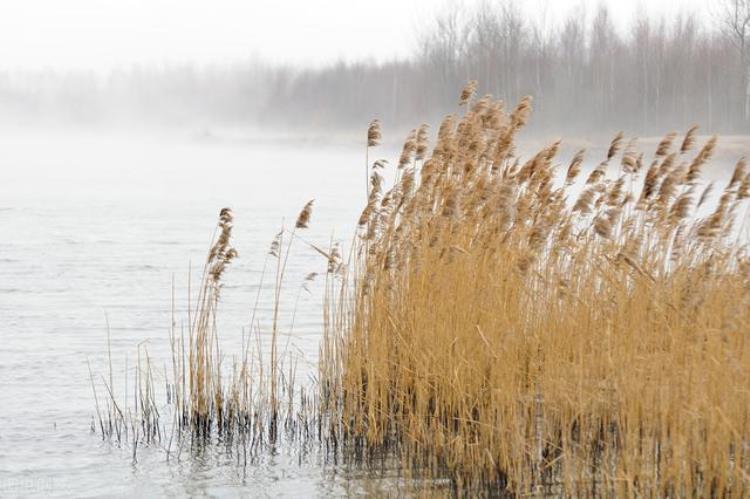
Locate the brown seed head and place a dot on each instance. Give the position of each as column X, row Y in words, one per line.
column 614, row 146
column 689, row 140
column 373, row 133
column 410, row 146
column 703, row 156
column 739, row 173
column 467, row 92
column 665, row 145
column 304, row 216
column 744, row 191
column 575, row 167
column 421, row 142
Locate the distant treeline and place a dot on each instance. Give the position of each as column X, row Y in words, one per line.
column 583, row 72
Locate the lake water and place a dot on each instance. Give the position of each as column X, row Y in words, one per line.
column 96, row 228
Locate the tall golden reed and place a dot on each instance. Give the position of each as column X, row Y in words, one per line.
column 519, row 330
column 513, row 327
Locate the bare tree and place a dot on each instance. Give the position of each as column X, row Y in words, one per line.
column 736, row 19
column 585, row 74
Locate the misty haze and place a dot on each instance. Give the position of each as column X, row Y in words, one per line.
column 312, row 249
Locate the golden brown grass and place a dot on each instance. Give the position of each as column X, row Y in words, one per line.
column 499, row 328
column 515, row 326
column 251, row 402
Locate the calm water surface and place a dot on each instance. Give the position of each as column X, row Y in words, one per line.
column 95, row 227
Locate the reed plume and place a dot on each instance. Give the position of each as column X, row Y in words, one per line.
column 467, row 92
column 373, row 133
column 374, row 136
column 303, row 218
column 689, row 139
column 495, row 333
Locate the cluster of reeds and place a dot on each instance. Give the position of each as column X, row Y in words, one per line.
column 501, row 322
column 520, row 329
column 250, row 402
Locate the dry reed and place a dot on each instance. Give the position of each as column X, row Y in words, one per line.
column 500, row 329
column 514, row 328
column 248, row 403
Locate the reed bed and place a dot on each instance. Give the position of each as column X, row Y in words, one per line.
column 522, row 330
column 249, row 406
column 509, row 325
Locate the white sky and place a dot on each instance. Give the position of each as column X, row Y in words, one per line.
column 102, row 34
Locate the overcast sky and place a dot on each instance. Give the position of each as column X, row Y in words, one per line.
column 102, row 34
